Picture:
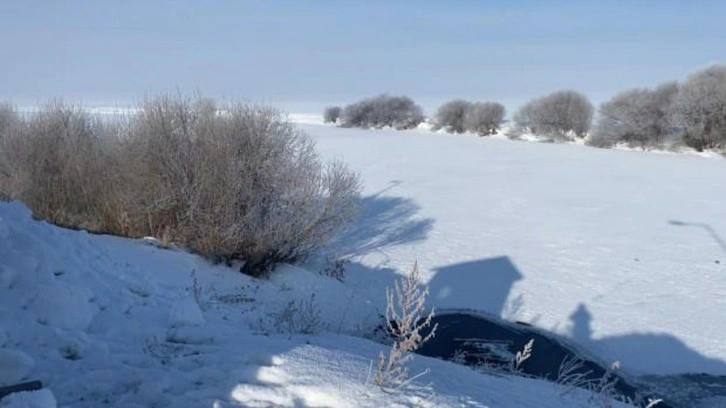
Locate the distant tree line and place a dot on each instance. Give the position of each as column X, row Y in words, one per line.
column 692, row 113
column 459, row 116
column 399, row 112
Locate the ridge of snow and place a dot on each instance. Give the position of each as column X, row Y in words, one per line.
column 127, row 352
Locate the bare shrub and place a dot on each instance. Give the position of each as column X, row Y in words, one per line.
column 335, row 268
column 571, row 374
column 639, row 117
column 405, row 319
column 484, row 118
column 240, row 183
column 301, row 317
column 450, row 116
column 399, row 112
column 699, row 109
column 56, row 163
column 603, row 390
column 234, row 183
column 295, row 317
column 8, row 117
column 556, row 115
column 331, row 114
column 9, row 120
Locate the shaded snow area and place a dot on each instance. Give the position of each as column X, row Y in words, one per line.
column 624, row 252
column 106, row 321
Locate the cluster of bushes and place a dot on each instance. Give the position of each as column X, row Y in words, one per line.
column 560, row 115
column 232, row 182
column 692, row 113
column 459, row 116
column 637, row 117
column 399, row 112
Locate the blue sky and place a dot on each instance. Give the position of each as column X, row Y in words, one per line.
column 302, row 55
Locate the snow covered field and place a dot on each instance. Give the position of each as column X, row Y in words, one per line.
column 622, row 251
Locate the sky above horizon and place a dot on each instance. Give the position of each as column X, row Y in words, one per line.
column 303, row 55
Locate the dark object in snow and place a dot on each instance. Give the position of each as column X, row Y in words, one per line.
column 26, row 386
column 482, row 340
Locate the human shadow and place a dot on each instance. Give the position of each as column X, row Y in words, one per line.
column 460, row 290
column 709, row 230
column 482, row 285
column 581, row 329
column 650, row 352
column 383, row 221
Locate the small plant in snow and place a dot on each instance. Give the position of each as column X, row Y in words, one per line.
column 604, row 390
column 459, row 357
column 241, row 295
column 335, row 268
column 196, row 289
column 296, row 317
column 570, row 374
column 521, row 357
column 404, row 318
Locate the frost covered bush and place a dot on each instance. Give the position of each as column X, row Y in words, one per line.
column 240, row 182
column 459, row 116
column 639, row 117
column 296, row 317
column 399, row 112
column 450, row 116
column 406, row 321
column 484, row 118
column 57, row 162
column 331, row 114
column 8, row 117
column 556, row 115
column 699, row 109
column 8, row 120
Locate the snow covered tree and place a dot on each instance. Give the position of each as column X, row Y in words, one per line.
column 450, row 116
column 399, row 112
column 638, row 117
column 556, row 114
column 699, row 109
column 484, row 118
column 332, row 113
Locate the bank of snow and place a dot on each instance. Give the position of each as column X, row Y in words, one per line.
column 105, row 321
